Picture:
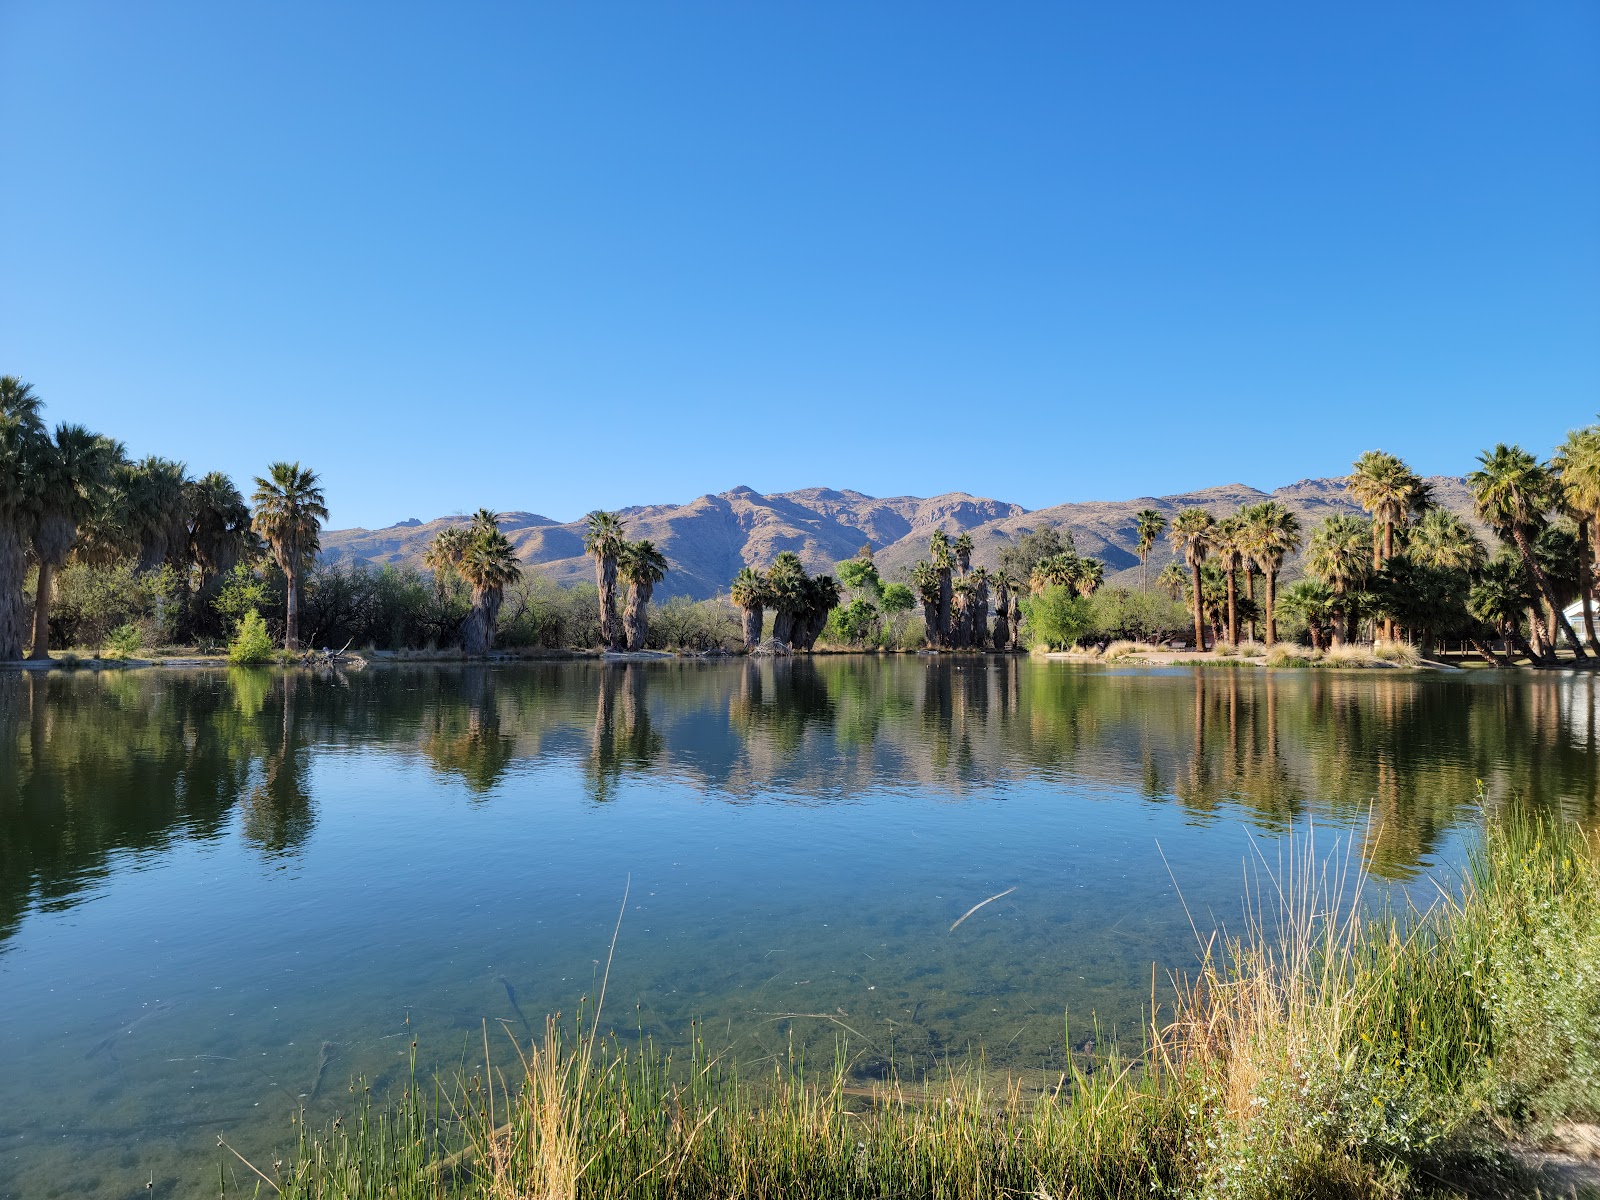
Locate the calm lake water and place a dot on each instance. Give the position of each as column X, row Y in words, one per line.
column 211, row 882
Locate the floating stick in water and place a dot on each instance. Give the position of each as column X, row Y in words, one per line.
column 980, row 904
column 324, row 1057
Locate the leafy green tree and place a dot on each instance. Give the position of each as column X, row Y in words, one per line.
column 251, row 645
column 925, row 580
column 289, row 511
column 219, row 538
column 860, row 575
column 1272, row 533
column 963, row 551
column 1230, row 541
column 243, row 591
column 855, row 623
column 786, row 588
column 1056, row 616
column 1031, row 548
column 895, row 601
column 603, row 541
column 1338, row 554
column 942, row 555
column 1314, row 603
column 1501, row 594
column 1513, row 492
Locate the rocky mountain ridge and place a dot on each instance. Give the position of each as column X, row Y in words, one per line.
column 710, row 538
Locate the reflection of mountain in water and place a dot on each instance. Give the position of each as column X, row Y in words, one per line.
column 94, row 765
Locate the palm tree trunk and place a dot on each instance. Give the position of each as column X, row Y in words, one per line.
column 1199, row 621
column 41, row 612
column 635, row 622
column 13, row 607
column 1545, row 590
column 291, row 615
column 1488, row 653
column 943, row 630
column 1336, row 628
column 1272, row 607
column 1586, row 582
column 752, row 626
column 1250, row 591
column 1233, row 605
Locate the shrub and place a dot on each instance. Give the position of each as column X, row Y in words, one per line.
column 1225, row 650
column 1055, row 617
column 1252, row 650
column 1344, row 656
column 122, row 642
column 1121, row 614
column 69, row 660
column 1285, row 656
column 1124, row 649
column 697, row 625
column 91, row 601
column 251, row 645
column 1397, row 652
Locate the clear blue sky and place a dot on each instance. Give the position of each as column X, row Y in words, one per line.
column 557, row 257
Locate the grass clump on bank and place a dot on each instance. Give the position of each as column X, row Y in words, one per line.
column 1325, row 1052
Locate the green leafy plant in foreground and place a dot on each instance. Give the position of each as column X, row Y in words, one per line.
column 252, row 644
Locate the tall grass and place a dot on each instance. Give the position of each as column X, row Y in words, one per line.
column 1328, row 1049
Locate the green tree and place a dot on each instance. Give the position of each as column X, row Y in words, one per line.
column 1056, row 616
column 1338, row 554
column 603, row 541
column 1191, row 534
column 1389, row 490
column 251, row 645
column 1230, row 541
column 22, row 443
column 1576, row 464
column 74, row 473
column 289, row 511
column 642, row 566
column 963, row 550
column 219, row 538
column 786, row 588
column 1148, row 524
column 1513, row 493
column 751, row 596
column 1273, row 533
column 488, row 563
column 942, row 554
column 1032, row 547
column 1502, row 592
column 1313, row 602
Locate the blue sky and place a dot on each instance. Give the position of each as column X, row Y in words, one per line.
column 555, row 257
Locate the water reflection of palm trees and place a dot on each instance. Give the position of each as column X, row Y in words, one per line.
column 462, row 736
column 623, row 739
column 276, row 812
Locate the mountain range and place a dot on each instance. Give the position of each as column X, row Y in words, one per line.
column 708, row 539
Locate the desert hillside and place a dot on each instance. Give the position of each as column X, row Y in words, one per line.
column 708, row 539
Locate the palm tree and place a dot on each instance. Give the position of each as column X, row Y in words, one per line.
column 642, row 566
column 1172, row 580
column 1005, row 583
column 1088, row 576
column 963, row 549
column 786, row 586
column 1338, row 555
column 1149, row 524
column 1445, row 542
column 1192, row 532
column 289, row 511
column 821, row 597
column 603, row 541
column 980, row 607
column 1388, row 489
column 749, row 594
column 943, row 556
column 1229, row 539
column 1513, row 492
column 22, row 443
column 154, row 512
column 1577, row 463
column 1314, row 602
column 925, row 582
column 443, row 555
column 1501, row 593
column 1059, row 570
column 220, row 536
column 1273, row 533
column 74, row 473
column 488, row 562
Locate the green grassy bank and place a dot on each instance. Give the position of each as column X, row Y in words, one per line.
column 1324, row 1053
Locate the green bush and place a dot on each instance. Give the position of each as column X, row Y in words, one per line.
column 91, row 601
column 1056, row 617
column 251, row 645
column 122, row 642
column 1121, row 614
column 698, row 625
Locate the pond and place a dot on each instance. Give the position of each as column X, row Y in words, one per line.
column 226, row 894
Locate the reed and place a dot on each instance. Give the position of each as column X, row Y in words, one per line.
column 1329, row 1048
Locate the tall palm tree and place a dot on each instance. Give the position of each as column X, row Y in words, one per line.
column 1388, row 489
column 1229, row 539
column 1172, row 580
column 1314, row 602
column 1004, row 584
column 1148, row 524
column 220, row 536
column 487, row 564
column 1445, row 542
column 1273, row 534
column 1338, row 555
column 786, row 587
column 22, row 443
column 821, row 597
column 925, row 582
column 154, row 513
column 443, row 555
column 943, row 556
column 1513, row 492
column 1089, row 574
column 1500, row 594
column 1191, row 532
column 963, row 549
column 749, row 595
column 289, row 511
column 603, row 541
column 980, row 607
column 74, row 479
column 1577, row 463
column 1058, row 570
column 642, row 566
